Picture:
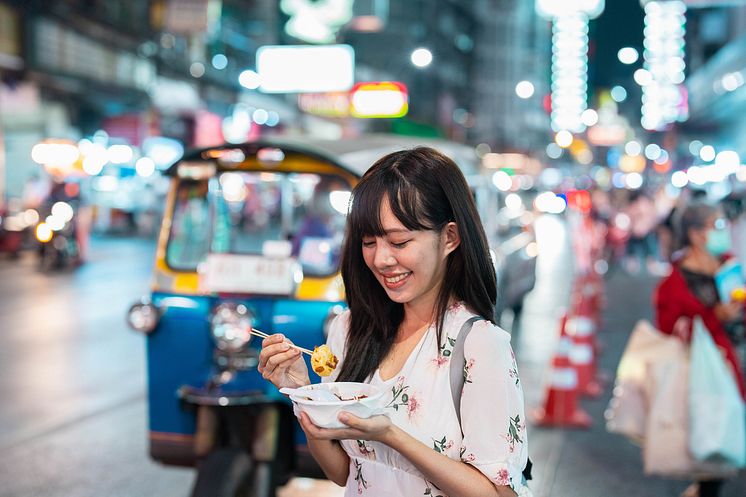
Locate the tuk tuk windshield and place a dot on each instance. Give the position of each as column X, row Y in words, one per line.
column 239, row 211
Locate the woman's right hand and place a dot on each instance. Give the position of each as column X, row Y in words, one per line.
column 282, row 364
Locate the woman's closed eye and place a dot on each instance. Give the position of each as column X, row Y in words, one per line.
column 400, row 244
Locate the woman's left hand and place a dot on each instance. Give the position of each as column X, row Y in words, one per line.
column 376, row 428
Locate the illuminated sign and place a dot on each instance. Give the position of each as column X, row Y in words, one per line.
column 333, row 104
column 554, row 8
column 664, row 94
column 305, row 69
column 607, row 134
column 384, row 99
column 316, row 21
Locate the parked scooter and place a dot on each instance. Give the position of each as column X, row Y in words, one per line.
column 59, row 246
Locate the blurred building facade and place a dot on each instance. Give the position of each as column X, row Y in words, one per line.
column 142, row 68
column 513, row 45
column 716, row 45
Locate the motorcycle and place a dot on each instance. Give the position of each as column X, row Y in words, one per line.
column 57, row 236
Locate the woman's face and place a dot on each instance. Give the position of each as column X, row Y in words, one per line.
column 409, row 265
column 698, row 236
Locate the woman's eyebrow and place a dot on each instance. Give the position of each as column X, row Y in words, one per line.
column 396, row 230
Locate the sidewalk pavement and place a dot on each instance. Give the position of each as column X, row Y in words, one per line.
column 571, row 463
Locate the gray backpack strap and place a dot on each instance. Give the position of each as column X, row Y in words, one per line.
column 458, row 361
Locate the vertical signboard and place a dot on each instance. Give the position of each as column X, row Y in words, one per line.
column 10, row 39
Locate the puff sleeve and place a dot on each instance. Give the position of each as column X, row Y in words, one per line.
column 493, row 419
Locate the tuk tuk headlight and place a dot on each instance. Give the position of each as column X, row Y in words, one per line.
column 231, row 326
column 143, row 317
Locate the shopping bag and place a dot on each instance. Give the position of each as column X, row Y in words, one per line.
column 665, row 450
column 628, row 408
column 717, row 415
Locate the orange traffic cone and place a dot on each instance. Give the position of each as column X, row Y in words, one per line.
column 590, row 295
column 560, row 406
column 582, row 330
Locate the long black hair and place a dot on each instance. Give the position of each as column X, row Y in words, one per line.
column 426, row 191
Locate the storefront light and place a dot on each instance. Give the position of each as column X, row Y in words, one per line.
column 502, row 181
column 632, row 148
column 120, row 154
column 145, row 167
column 421, row 57
column 707, row 153
column 524, row 89
column 643, row 77
column 618, row 94
column 234, row 188
column 55, row 154
column 694, row 147
column 163, row 151
column 728, row 160
column 260, row 116
column 679, row 179
column 628, row 55
column 249, row 79
column 563, row 138
column 219, row 61
column 554, row 151
column 197, row 69
column 95, row 158
column 652, row 151
column 589, row 117
column 633, row 181
column 273, row 119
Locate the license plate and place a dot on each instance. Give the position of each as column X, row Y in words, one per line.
column 231, row 273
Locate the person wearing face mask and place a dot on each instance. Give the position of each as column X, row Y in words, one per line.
column 690, row 291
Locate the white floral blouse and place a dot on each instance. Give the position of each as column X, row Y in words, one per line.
column 419, row 401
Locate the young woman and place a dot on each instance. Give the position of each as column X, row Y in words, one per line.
column 690, row 291
column 416, row 267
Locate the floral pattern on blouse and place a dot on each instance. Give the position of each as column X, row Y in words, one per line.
column 468, row 364
column 513, row 371
column 503, row 477
column 493, row 440
column 515, row 429
column 362, row 484
column 442, row 445
column 399, row 395
column 365, row 449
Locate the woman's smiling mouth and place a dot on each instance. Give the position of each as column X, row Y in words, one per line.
column 395, row 281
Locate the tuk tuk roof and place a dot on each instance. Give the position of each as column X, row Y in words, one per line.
column 354, row 154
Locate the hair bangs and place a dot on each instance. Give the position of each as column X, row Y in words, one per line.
column 365, row 214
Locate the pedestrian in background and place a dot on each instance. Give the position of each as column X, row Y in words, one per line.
column 690, row 290
column 416, row 267
column 642, row 248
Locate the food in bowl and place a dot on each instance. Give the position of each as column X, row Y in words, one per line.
column 323, row 361
column 360, row 399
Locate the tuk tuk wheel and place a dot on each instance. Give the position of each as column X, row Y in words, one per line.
column 230, row 472
column 224, row 472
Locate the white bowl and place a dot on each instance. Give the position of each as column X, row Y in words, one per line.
column 324, row 413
